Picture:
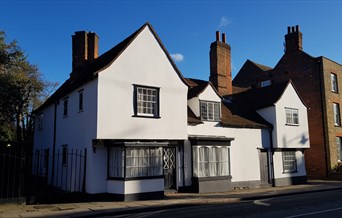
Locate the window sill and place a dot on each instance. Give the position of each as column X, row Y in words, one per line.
column 151, row 117
column 290, row 172
column 65, row 116
column 135, row 178
column 210, row 120
column 289, row 124
column 80, row 111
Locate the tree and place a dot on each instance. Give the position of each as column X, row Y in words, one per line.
column 22, row 89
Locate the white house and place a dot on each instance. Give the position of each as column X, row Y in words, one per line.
column 127, row 123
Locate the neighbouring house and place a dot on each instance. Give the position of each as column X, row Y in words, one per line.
column 317, row 80
column 118, row 126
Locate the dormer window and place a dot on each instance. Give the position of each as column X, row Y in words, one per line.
column 265, row 83
column 210, row 111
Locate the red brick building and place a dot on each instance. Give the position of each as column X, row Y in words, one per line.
column 317, row 80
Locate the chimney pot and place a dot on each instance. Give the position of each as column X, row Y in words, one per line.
column 223, row 37
column 293, row 29
column 217, row 35
column 297, row 28
column 288, row 29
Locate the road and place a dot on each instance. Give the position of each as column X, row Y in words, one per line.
column 320, row 204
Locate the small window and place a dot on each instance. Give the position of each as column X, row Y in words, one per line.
column 334, row 86
column 65, row 155
column 339, row 148
column 40, row 121
column 337, row 119
column 80, row 101
column 265, row 83
column 65, row 107
column 210, row 111
column 289, row 162
column 292, row 116
column 146, row 101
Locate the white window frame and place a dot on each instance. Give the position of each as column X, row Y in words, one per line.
column 337, row 117
column 334, row 82
column 292, row 116
column 210, row 111
column 265, row 83
column 146, row 101
column 289, row 162
column 211, row 161
column 135, row 162
column 339, row 148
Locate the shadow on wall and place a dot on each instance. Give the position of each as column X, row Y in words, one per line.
column 299, row 140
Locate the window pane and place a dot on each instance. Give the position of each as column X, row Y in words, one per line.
column 116, row 162
column 289, row 161
column 336, row 108
column 147, row 101
column 143, row 161
column 209, row 161
column 339, row 148
column 210, row 111
column 292, row 117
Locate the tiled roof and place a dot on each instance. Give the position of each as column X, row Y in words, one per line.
column 232, row 114
column 192, row 119
column 260, row 97
column 105, row 60
column 196, row 87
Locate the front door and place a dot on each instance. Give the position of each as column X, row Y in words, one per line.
column 169, row 157
column 264, row 168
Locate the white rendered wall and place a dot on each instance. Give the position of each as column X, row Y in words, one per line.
column 278, row 166
column 142, row 63
column 244, row 156
column 43, row 138
column 77, row 131
column 135, row 186
column 292, row 136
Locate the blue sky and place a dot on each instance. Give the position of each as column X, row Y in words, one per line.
column 255, row 29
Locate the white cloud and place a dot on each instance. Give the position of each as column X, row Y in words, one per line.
column 224, row 22
column 177, row 57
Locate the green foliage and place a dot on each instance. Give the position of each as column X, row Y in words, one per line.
column 21, row 89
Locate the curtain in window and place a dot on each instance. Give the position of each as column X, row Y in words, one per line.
column 116, row 162
column 211, row 161
column 143, row 161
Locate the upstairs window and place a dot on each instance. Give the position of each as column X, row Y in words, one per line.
column 146, row 101
column 334, row 86
column 292, row 116
column 80, row 101
column 265, row 83
column 289, row 162
column 337, row 119
column 65, row 107
column 210, row 111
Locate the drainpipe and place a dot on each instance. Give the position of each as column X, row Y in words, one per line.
column 271, row 158
column 324, row 118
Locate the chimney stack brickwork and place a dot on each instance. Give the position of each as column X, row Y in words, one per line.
column 220, row 65
column 84, row 50
column 293, row 39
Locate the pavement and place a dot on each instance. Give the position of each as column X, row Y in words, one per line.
column 171, row 200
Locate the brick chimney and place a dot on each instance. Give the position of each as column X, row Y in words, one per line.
column 84, row 50
column 220, row 65
column 293, row 39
